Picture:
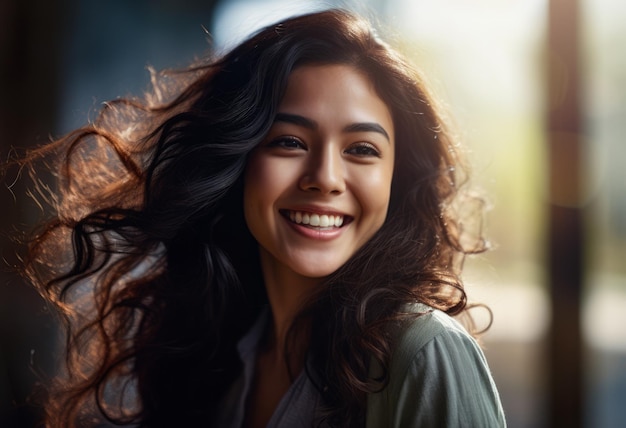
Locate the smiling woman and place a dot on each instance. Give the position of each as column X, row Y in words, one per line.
column 274, row 245
column 323, row 156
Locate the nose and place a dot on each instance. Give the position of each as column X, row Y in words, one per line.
column 324, row 173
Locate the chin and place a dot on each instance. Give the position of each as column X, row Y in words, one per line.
column 316, row 273
column 319, row 271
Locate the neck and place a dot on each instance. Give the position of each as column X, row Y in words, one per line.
column 287, row 292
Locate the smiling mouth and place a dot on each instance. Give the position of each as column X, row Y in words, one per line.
column 316, row 220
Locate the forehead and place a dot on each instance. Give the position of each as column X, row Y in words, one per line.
column 319, row 77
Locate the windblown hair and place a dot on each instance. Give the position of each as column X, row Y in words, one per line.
column 150, row 262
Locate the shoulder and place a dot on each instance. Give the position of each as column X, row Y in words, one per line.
column 431, row 332
column 438, row 377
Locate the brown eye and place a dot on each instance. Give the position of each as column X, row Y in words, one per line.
column 289, row 143
column 363, row 150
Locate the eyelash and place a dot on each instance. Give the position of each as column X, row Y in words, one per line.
column 284, row 141
column 371, row 150
column 361, row 149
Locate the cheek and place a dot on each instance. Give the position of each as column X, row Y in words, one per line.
column 374, row 195
column 265, row 181
column 259, row 176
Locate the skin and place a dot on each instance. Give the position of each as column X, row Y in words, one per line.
column 329, row 152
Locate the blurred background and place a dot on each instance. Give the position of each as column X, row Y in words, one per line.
column 537, row 89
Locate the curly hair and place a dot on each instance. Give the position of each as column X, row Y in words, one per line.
column 150, row 262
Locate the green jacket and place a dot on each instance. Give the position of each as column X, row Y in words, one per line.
column 438, row 378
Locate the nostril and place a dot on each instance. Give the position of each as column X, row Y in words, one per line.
column 323, row 176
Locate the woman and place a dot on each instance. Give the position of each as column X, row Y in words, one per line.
column 272, row 245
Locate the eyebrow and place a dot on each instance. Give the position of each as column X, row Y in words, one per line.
column 305, row 122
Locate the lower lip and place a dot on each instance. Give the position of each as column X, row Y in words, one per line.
column 325, row 234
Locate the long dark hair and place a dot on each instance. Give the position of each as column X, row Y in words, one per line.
column 149, row 259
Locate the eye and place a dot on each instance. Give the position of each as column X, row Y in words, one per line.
column 287, row 142
column 363, row 149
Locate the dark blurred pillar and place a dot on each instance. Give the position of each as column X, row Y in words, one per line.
column 566, row 238
column 30, row 46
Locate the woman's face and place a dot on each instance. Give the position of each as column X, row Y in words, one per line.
column 318, row 186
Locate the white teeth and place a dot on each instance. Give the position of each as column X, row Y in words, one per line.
column 316, row 220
